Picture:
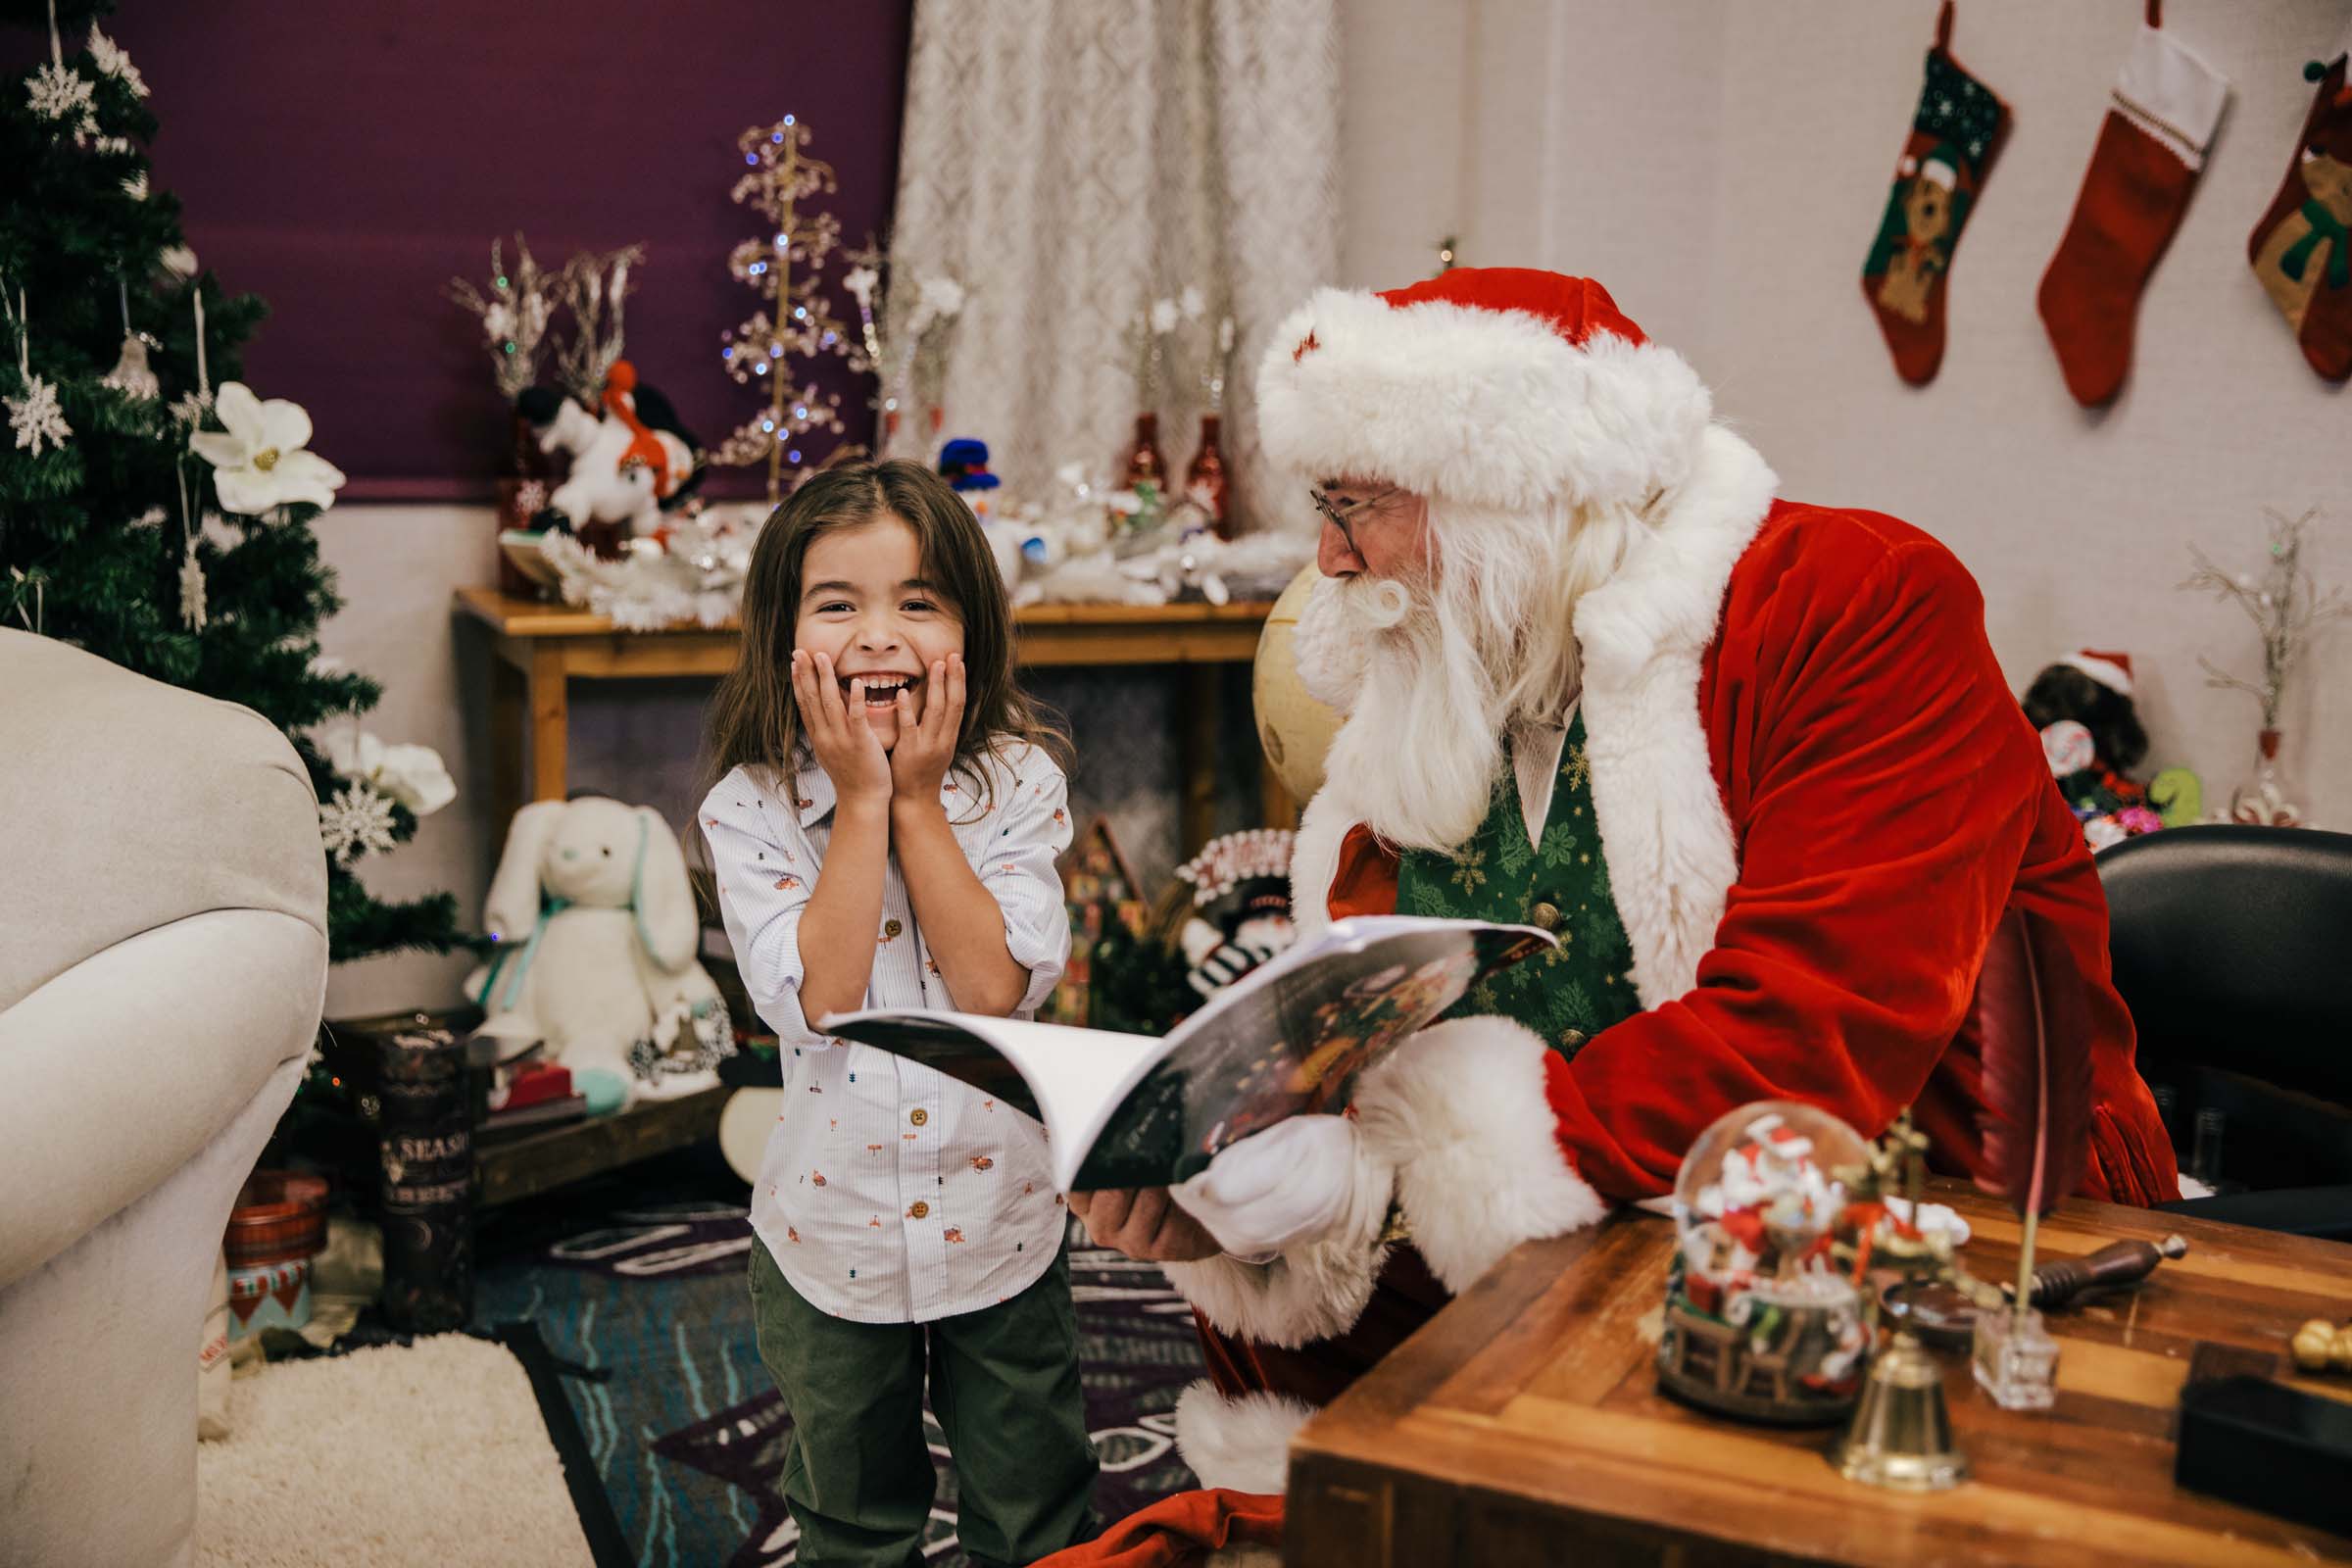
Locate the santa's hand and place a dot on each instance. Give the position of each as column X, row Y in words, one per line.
column 1292, row 1183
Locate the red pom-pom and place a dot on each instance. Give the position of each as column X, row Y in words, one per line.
column 622, row 377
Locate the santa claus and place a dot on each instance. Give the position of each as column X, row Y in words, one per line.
column 1751, row 761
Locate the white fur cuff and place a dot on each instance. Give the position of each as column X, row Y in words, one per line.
column 1461, row 1111
column 1311, row 1292
column 1241, row 1443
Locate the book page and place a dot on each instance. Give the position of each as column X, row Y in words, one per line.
column 1297, row 1035
column 1072, row 1080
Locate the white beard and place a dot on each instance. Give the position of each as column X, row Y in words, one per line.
column 1432, row 674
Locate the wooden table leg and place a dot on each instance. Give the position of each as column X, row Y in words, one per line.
column 509, row 711
column 551, row 722
column 1198, row 805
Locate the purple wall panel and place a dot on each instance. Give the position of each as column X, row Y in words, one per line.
column 345, row 160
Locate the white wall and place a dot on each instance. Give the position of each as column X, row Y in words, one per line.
column 1722, row 166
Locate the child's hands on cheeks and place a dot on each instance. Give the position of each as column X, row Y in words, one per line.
column 846, row 745
column 919, row 763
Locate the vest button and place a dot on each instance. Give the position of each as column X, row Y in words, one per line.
column 920, row 1210
column 891, row 928
column 1548, row 916
column 918, row 1116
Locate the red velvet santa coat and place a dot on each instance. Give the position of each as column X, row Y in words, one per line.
column 1816, row 798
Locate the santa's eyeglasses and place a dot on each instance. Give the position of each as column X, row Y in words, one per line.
column 1337, row 513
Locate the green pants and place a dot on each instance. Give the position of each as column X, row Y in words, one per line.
column 1005, row 1387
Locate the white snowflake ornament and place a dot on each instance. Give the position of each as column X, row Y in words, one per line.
column 57, row 93
column 191, row 590
column 36, row 416
column 354, row 823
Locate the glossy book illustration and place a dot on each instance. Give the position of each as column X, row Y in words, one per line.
column 1294, row 1036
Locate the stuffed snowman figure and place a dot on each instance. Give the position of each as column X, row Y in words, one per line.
column 596, row 931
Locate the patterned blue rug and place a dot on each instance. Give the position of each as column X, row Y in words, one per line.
column 639, row 1278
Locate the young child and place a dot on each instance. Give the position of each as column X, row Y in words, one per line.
column 885, row 833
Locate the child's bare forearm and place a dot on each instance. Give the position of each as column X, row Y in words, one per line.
column 960, row 917
column 844, row 912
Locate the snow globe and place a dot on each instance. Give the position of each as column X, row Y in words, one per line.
column 1761, row 1321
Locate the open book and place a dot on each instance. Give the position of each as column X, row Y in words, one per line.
column 1291, row 1037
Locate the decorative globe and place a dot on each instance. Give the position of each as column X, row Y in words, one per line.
column 1775, row 1159
column 1295, row 729
column 1761, row 1321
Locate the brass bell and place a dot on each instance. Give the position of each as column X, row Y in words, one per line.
column 1901, row 1434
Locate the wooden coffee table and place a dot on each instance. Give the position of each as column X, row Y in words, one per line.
column 1523, row 1425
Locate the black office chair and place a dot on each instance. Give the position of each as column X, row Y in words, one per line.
column 2233, row 948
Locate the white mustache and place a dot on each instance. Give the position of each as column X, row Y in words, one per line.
column 1375, row 605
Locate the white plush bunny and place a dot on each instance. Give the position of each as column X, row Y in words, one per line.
column 597, row 932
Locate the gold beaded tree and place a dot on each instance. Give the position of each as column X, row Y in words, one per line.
column 785, row 266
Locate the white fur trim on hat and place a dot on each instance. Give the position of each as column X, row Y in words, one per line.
column 1494, row 408
column 2106, row 671
column 1460, row 1108
column 1242, row 1443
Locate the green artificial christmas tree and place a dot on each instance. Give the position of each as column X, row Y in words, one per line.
column 153, row 510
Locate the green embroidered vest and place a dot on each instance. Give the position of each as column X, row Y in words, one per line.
column 1560, row 883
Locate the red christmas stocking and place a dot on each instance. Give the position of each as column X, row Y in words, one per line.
column 1954, row 134
column 2160, row 120
column 2302, row 248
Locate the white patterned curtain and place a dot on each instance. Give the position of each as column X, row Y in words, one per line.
column 1069, row 163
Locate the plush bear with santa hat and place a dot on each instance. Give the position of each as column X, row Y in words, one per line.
column 2083, row 705
column 1751, row 759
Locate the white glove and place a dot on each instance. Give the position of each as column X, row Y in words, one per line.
column 1289, row 1184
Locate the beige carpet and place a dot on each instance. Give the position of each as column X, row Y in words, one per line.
column 435, row 1456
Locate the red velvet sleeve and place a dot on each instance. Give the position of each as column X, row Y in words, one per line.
column 1882, row 784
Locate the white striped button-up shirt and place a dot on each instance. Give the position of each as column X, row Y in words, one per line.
column 888, row 1192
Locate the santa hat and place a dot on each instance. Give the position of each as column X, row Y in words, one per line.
column 1499, row 387
column 2111, row 670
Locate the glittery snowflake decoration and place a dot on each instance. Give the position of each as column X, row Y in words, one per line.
column 191, row 590
column 113, row 60
column 357, row 821
column 58, row 94
column 36, row 416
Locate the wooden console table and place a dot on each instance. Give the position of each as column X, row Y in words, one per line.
column 542, row 648
column 1523, row 1424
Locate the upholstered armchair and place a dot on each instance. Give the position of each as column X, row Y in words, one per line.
column 163, row 963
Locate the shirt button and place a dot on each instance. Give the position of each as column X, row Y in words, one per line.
column 891, row 928
column 1548, row 916
column 918, row 1116
column 920, row 1209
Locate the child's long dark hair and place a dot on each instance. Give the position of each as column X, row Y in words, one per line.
column 753, row 720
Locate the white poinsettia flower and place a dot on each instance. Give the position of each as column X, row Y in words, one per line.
column 862, row 281
column 178, row 261
column 258, row 461
column 412, row 776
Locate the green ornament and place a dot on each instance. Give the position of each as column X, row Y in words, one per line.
column 2178, row 798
